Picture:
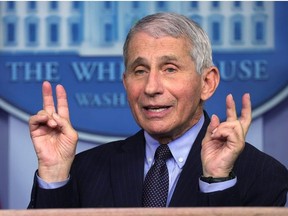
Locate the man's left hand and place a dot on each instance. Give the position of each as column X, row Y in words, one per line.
column 224, row 141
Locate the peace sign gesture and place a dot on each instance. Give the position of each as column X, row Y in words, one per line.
column 53, row 136
column 224, row 141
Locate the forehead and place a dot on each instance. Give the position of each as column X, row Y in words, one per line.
column 143, row 44
column 140, row 37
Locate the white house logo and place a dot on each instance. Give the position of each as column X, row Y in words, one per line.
column 79, row 44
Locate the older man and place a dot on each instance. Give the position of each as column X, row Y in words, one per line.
column 198, row 161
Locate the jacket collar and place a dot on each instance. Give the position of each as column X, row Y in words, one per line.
column 127, row 172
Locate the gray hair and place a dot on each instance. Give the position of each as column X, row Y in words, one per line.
column 175, row 25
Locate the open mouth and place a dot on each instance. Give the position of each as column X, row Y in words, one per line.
column 156, row 108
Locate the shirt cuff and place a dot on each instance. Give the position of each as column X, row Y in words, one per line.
column 51, row 185
column 220, row 186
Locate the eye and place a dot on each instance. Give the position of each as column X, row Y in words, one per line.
column 170, row 69
column 139, row 72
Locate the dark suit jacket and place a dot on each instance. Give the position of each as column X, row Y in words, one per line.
column 111, row 175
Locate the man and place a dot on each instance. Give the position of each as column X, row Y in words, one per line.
column 169, row 75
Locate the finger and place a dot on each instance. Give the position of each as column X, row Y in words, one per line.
column 65, row 126
column 44, row 115
column 42, row 118
column 246, row 112
column 225, row 129
column 230, row 108
column 62, row 102
column 36, row 120
column 48, row 102
column 230, row 132
column 212, row 127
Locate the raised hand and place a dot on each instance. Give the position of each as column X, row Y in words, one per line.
column 53, row 136
column 224, row 141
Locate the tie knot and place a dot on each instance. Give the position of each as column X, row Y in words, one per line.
column 163, row 152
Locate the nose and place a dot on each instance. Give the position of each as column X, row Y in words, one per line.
column 154, row 85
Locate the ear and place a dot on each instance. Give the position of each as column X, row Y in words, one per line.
column 210, row 82
column 124, row 79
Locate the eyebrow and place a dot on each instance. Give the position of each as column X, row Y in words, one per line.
column 168, row 58
column 138, row 61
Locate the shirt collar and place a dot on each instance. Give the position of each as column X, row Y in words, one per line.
column 179, row 148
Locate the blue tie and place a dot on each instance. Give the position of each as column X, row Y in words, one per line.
column 156, row 183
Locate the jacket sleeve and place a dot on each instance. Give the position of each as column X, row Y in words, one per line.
column 63, row 197
column 261, row 181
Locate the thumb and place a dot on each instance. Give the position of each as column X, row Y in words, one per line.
column 66, row 128
column 62, row 123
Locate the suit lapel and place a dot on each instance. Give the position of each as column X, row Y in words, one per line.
column 127, row 171
column 187, row 190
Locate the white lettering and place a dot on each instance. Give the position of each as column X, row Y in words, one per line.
column 107, row 99
column 31, row 72
column 98, row 71
column 243, row 70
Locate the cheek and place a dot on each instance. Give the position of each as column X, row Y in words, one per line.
column 190, row 94
column 133, row 94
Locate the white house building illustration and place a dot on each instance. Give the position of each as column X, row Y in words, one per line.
column 100, row 27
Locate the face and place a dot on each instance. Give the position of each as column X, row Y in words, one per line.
column 163, row 88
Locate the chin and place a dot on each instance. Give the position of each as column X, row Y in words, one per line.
column 158, row 132
column 157, row 128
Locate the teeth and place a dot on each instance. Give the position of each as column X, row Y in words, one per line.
column 156, row 109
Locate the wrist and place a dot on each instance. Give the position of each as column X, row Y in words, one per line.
column 53, row 174
column 211, row 179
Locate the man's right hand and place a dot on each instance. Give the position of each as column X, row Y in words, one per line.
column 53, row 136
